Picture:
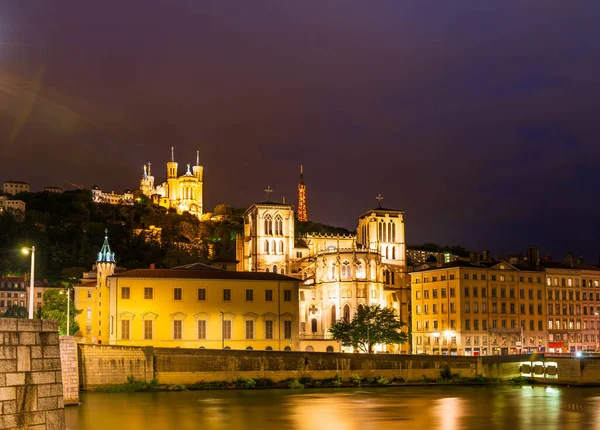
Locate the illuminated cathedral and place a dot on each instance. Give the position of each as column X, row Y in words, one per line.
column 182, row 193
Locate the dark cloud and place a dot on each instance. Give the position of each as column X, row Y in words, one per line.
column 479, row 119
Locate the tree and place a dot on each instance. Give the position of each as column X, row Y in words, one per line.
column 16, row 312
column 370, row 325
column 55, row 308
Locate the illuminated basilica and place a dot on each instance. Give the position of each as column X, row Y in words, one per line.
column 182, row 193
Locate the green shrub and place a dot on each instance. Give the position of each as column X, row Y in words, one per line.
column 445, row 372
column 382, row 381
column 355, row 380
column 264, row 382
column 307, row 382
column 425, row 379
column 250, row 383
column 337, row 381
column 295, row 384
column 130, row 379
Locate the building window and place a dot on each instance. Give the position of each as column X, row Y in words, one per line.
column 147, row 329
column 177, row 293
column 226, row 329
column 125, row 293
column 268, row 295
column 201, row 329
column 268, row 225
column 287, row 295
column 269, row 329
column 148, row 293
column 226, row 295
column 177, row 328
column 279, row 226
column 249, row 329
column 313, row 325
column 249, row 295
column 125, row 326
column 287, row 329
column 202, row 294
column 39, row 295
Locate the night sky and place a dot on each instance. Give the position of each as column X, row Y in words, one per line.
column 479, row 119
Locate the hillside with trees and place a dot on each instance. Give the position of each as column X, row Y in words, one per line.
column 67, row 230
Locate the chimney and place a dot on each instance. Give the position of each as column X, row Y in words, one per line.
column 569, row 259
column 486, row 255
column 533, row 257
column 152, row 267
column 474, row 257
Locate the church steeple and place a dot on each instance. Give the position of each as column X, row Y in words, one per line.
column 302, row 214
column 105, row 256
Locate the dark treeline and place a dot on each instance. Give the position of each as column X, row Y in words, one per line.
column 67, row 230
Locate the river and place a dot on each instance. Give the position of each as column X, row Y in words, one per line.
column 430, row 407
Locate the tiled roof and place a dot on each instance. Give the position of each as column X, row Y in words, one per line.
column 203, row 274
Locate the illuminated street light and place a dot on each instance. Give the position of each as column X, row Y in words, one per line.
column 27, row 251
column 68, row 308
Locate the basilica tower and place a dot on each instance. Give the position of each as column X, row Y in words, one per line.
column 172, row 177
column 302, row 214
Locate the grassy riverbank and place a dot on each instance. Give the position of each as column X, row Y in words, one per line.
column 446, row 378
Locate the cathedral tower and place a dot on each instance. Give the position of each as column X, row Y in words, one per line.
column 198, row 173
column 302, row 214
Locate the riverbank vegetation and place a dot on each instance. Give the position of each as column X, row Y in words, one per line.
column 446, row 378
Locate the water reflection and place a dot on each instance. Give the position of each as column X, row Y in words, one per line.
column 437, row 407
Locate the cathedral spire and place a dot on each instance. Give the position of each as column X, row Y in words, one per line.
column 149, row 165
column 197, row 158
column 172, row 154
column 302, row 214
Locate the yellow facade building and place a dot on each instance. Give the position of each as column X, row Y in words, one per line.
column 193, row 307
column 498, row 308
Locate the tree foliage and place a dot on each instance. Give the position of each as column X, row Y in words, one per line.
column 15, row 312
column 370, row 325
column 55, row 308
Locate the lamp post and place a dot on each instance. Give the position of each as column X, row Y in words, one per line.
column 27, row 251
column 598, row 337
column 222, row 330
column 68, row 308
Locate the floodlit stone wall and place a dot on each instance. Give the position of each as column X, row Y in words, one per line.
column 70, row 370
column 31, row 393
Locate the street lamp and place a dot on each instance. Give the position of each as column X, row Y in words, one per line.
column 598, row 323
column 68, row 308
column 27, row 251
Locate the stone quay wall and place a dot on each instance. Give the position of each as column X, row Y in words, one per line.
column 31, row 393
column 107, row 365
column 70, row 370
column 111, row 365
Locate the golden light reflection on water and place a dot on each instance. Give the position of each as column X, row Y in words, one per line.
column 447, row 408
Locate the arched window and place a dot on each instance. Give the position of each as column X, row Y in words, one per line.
column 268, row 348
column 346, row 271
column 347, row 313
column 281, row 246
column 329, row 348
column 380, row 236
column 393, row 252
column 360, row 271
column 287, row 348
column 313, row 325
column 333, row 316
column 390, row 232
column 266, row 246
column 267, row 270
column 393, row 231
column 333, row 277
column 249, row 348
column 274, row 268
column 282, row 271
column 373, row 274
column 278, row 226
column 387, row 252
column 309, row 348
column 268, row 225
column 384, row 228
column 386, row 274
